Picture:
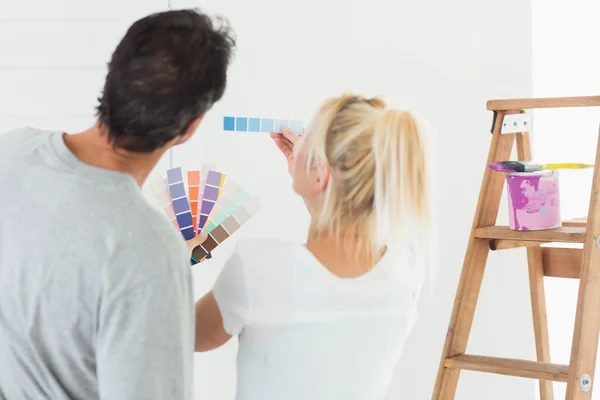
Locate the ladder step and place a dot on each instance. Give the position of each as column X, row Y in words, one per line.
column 567, row 234
column 509, row 366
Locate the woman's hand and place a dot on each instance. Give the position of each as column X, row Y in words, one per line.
column 195, row 242
column 286, row 142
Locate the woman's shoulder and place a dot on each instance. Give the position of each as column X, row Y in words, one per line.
column 268, row 259
column 266, row 247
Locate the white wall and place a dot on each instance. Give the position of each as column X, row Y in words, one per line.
column 442, row 59
column 53, row 56
column 566, row 63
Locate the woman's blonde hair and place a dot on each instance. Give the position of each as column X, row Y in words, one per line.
column 379, row 189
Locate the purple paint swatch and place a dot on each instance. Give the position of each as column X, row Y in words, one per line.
column 213, row 178
column 175, row 175
column 203, row 219
column 209, row 197
column 211, row 193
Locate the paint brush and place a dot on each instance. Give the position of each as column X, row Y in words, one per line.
column 529, row 166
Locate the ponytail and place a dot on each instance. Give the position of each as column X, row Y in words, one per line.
column 402, row 187
column 379, row 189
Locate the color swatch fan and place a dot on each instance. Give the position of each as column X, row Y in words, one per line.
column 208, row 202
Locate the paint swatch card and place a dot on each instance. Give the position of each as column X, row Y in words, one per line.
column 221, row 232
column 239, row 198
column 228, row 190
column 203, row 175
column 267, row 125
column 193, row 189
column 212, row 190
column 161, row 189
column 181, row 204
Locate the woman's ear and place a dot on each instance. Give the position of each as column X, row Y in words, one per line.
column 189, row 131
column 322, row 178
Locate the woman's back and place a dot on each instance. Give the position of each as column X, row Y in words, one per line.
column 328, row 320
column 306, row 333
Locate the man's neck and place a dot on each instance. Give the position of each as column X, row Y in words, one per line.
column 93, row 148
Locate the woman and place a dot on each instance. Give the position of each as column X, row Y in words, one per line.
column 328, row 320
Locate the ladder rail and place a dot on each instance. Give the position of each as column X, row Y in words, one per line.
column 474, row 265
column 587, row 318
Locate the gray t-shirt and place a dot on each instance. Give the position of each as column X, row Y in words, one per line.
column 95, row 284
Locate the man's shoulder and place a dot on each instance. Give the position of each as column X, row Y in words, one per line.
column 151, row 227
column 21, row 139
column 146, row 240
column 23, row 134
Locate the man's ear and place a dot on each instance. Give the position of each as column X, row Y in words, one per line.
column 322, row 180
column 189, row 131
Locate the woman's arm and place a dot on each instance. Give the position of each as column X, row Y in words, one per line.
column 210, row 333
column 216, row 322
column 210, row 330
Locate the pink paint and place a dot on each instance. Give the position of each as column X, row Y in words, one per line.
column 533, row 201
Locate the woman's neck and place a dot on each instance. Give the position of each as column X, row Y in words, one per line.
column 341, row 257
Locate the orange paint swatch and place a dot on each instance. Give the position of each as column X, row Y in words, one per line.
column 193, row 188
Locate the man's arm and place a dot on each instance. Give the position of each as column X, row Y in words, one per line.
column 144, row 344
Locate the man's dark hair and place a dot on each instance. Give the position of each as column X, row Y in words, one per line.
column 169, row 69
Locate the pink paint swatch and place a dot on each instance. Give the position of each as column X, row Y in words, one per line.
column 161, row 189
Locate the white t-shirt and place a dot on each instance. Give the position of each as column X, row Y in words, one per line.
column 307, row 334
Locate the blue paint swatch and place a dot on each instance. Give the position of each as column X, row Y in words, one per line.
column 180, row 206
column 279, row 123
column 188, row 233
column 241, row 124
column 185, row 220
column 177, row 190
column 254, row 125
column 266, row 125
column 245, row 124
column 228, row 123
column 296, row 127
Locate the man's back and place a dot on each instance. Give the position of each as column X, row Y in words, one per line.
column 95, row 285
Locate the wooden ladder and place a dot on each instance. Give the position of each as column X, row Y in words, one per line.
column 542, row 261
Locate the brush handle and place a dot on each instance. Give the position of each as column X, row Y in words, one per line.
column 566, row 166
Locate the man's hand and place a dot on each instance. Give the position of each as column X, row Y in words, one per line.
column 195, row 242
column 286, row 142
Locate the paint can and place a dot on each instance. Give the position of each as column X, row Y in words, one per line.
column 533, row 200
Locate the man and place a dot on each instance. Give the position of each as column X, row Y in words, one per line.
column 95, row 285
